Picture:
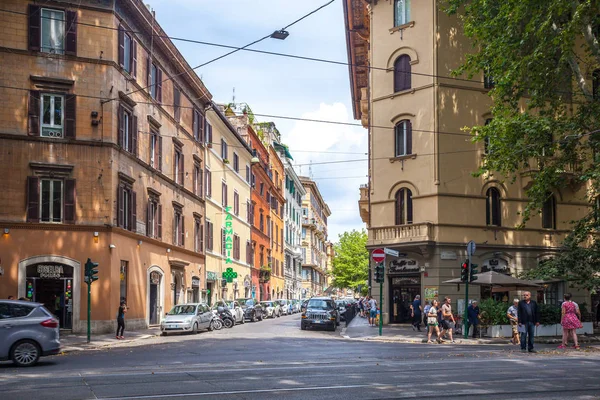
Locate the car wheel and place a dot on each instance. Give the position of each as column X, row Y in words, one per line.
column 25, row 353
column 243, row 319
column 163, row 334
column 228, row 323
column 253, row 319
column 260, row 317
column 195, row 329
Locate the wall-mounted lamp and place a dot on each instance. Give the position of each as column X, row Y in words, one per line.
column 139, row 242
column 112, row 246
column 6, row 231
column 96, row 238
column 168, row 250
column 255, row 159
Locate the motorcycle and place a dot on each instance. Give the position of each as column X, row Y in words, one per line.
column 226, row 316
column 216, row 323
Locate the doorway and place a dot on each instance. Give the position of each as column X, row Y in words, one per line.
column 401, row 295
column 209, row 293
column 52, row 285
column 153, row 303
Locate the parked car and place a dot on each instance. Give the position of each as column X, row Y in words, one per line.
column 320, row 312
column 187, row 318
column 296, row 306
column 271, row 308
column 236, row 309
column 303, row 305
column 341, row 306
column 28, row 331
column 284, row 306
column 253, row 310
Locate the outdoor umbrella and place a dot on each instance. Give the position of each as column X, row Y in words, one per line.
column 492, row 278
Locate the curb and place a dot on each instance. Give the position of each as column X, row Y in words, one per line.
column 462, row 342
column 98, row 346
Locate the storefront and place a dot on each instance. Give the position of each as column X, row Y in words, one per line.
column 404, row 279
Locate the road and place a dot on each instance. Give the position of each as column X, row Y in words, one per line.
column 274, row 359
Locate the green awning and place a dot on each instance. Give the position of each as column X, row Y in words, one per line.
column 281, row 147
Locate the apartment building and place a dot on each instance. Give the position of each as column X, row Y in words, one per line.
column 421, row 198
column 101, row 148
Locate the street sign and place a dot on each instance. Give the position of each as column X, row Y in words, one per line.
column 391, row 252
column 471, row 248
column 378, row 255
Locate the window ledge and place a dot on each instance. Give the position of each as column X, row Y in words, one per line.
column 403, row 92
column 401, row 27
column 402, row 158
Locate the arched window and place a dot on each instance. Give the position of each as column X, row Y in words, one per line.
column 549, row 213
column 404, row 209
column 402, row 73
column 401, row 12
column 492, row 207
column 403, row 138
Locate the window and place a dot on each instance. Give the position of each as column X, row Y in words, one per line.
column 236, row 247
column 401, row 12
column 493, row 207
column 224, row 150
column 488, row 79
column 261, row 221
column 208, row 183
column 404, row 210
column 53, row 31
column 236, row 162
column 549, row 213
column 178, row 165
column 209, row 235
column 52, row 115
column 269, row 198
column 51, row 201
column 154, row 218
column 198, row 126
column 403, row 138
column 178, row 227
column 262, row 189
column 127, row 52
column 155, row 149
column 402, row 73
column 253, row 183
column 236, row 203
column 249, row 253
column 198, row 235
column 154, row 81
column 269, row 226
column 177, row 104
column 224, row 194
column 123, row 279
column 128, row 130
column 303, row 233
column 596, row 84
column 247, row 173
column 223, row 243
column 126, row 207
column 208, row 137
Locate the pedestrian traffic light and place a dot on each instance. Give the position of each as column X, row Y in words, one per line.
column 464, row 271
column 91, row 271
column 379, row 273
column 473, row 274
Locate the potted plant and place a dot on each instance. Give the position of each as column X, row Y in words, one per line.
column 494, row 322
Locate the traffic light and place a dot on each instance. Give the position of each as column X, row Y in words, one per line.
column 91, row 271
column 472, row 276
column 379, row 273
column 464, row 271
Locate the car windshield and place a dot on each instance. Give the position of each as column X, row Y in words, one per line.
column 183, row 310
column 319, row 304
column 249, row 303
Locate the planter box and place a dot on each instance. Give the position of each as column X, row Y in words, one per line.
column 542, row 330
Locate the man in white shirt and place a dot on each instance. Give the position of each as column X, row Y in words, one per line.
column 372, row 311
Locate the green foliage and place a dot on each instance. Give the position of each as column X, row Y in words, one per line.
column 351, row 261
column 493, row 312
column 541, row 55
column 549, row 314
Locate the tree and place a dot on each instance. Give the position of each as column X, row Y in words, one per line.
column 544, row 59
column 351, row 261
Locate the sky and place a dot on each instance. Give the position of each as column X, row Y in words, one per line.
column 283, row 86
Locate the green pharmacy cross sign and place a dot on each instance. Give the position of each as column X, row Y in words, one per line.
column 229, row 275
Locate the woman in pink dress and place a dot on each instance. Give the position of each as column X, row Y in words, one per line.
column 570, row 321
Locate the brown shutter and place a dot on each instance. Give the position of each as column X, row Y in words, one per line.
column 148, row 71
column 159, row 221
column 159, row 85
column 160, row 152
column 201, row 236
column 409, row 207
column 35, row 29
column 33, row 199
column 195, row 180
column 34, row 113
column 200, row 186
column 71, row 34
column 70, row 197
column 133, row 219
column 121, row 46
column 134, row 58
column 173, row 228
column 120, row 130
column 211, row 236
column 408, row 137
column 201, row 133
column 210, row 139
column 70, row 115
column 176, row 104
column 120, row 210
column 134, row 134
column 207, row 235
column 181, row 165
column 194, row 124
column 182, row 231
column 148, row 212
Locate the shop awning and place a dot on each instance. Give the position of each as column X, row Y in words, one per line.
column 493, row 278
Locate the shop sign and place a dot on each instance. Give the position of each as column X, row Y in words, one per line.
column 228, row 235
column 211, row 276
column 448, row 255
column 405, row 281
column 399, row 266
column 50, row 271
column 497, row 265
column 431, row 293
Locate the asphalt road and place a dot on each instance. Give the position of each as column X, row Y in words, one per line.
column 274, row 359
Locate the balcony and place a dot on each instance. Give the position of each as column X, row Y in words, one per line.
column 363, row 204
column 398, row 234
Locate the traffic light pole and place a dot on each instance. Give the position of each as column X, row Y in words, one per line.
column 381, row 301
column 465, row 315
column 89, row 310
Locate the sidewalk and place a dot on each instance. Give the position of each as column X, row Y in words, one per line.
column 78, row 342
column 359, row 329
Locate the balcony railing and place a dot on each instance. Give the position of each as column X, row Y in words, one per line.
column 400, row 234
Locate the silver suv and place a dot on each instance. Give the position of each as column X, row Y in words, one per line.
column 28, row 331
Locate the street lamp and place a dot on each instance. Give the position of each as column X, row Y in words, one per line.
column 255, row 159
column 281, row 34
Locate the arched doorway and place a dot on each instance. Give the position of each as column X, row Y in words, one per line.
column 155, row 295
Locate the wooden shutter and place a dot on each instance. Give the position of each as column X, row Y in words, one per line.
column 160, row 152
column 402, row 73
column 71, row 34
column 148, row 219
column 201, row 129
column 496, row 209
column 408, row 137
column 70, row 115
column 33, row 122
column 120, row 205
column 212, row 242
column 159, row 85
column 134, row 60
column 176, row 104
column 200, row 186
column 134, row 134
column 182, row 244
column 195, row 124
column 409, row 207
column 35, row 28
column 148, row 72
column 398, row 207
column 70, row 198
column 207, row 235
column 159, row 221
column 181, row 165
column 120, row 130
column 195, row 180
column 33, row 199
column 201, row 236
column 175, row 233
column 210, row 137
column 133, row 219
column 121, row 46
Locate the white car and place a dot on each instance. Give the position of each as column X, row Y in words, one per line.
column 271, row 308
column 187, row 318
column 284, row 305
column 295, row 306
column 237, row 311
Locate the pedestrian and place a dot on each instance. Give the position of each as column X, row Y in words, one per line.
column 473, row 317
column 447, row 319
column 415, row 312
column 11, row 297
column 372, row 311
column 121, row 319
column 425, row 312
column 528, row 315
column 570, row 321
column 512, row 315
column 432, row 322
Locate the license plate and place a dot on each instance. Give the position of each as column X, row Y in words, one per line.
column 318, row 321
column 173, row 326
